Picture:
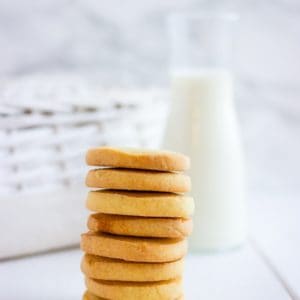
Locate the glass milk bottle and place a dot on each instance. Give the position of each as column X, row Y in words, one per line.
column 202, row 123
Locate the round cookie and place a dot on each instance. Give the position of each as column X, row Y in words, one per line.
column 162, row 290
column 133, row 248
column 138, row 180
column 103, row 268
column 140, row 204
column 137, row 159
column 89, row 296
column 140, row 226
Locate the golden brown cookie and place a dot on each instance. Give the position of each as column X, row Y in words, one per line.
column 89, row 296
column 140, row 226
column 162, row 290
column 138, row 180
column 104, row 268
column 133, row 248
column 140, row 204
column 137, row 159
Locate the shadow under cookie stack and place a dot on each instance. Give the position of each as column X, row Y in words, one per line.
column 136, row 242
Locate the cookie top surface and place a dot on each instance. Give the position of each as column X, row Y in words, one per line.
column 131, row 158
column 161, row 290
column 140, row 226
column 133, row 248
column 98, row 267
column 144, row 204
column 89, row 296
column 138, row 180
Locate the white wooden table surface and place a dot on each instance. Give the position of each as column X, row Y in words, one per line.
column 266, row 268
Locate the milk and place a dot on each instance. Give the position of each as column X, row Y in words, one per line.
column 202, row 124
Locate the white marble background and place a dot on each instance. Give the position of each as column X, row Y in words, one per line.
column 125, row 42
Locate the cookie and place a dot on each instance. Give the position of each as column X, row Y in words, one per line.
column 162, row 290
column 103, row 268
column 140, row 226
column 138, row 180
column 141, row 204
column 89, row 296
column 137, row 159
column 133, row 248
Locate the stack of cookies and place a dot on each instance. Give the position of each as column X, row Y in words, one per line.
column 137, row 239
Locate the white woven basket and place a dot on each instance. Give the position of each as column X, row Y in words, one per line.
column 46, row 125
